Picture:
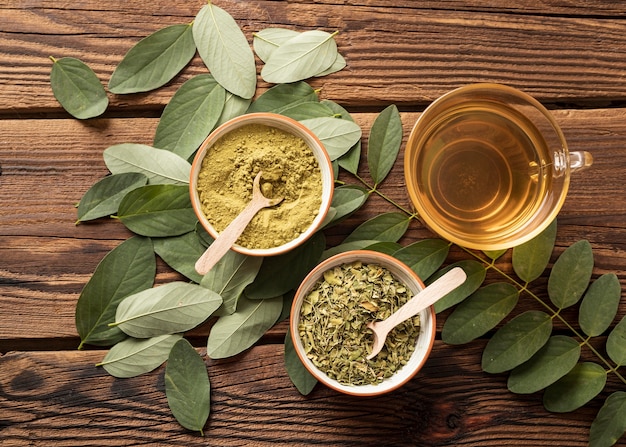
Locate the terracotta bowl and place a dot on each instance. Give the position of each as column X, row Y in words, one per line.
column 424, row 341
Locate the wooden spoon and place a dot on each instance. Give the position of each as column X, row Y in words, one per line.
column 425, row 298
column 231, row 233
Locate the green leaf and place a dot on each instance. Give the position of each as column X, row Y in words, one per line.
column 132, row 356
column 386, row 227
column 584, row 382
column 479, row 313
column 154, row 60
column 475, row 272
column 610, row 423
column 225, row 50
column 531, row 258
column 384, row 143
column 190, row 116
column 233, row 106
column 232, row 334
column 337, row 135
column 302, row 379
column 346, row 200
column 350, row 160
column 187, row 386
column 339, row 64
column 181, row 253
column 230, row 276
column 167, row 309
column 159, row 165
column 600, row 304
column 307, row 110
column 354, row 245
column 616, row 343
column 269, row 39
column 283, row 96
column 128, row 268
column 494, row 254
column 77, row 88
column 104, row 197
column 303, row 56
column 571, row 274
column 385, row 247
column 424, row 257
column 517, row 341
column 158, row 211
column 557, row 357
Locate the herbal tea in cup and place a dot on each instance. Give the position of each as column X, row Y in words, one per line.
column 487, row 167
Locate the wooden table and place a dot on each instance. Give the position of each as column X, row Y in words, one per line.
column 571, row 55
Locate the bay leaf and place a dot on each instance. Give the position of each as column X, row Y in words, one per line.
column 103, row 197
column 166, row 309
column 283, row 96
column 77, row 88
column 600, row 305
column 557, row 357
column 303, row 56
column 224, row 49
column 347, row 199
column 233, row 106
column 531, row 258
column 187, row 386
column 516, row 341
column 616, row 343
column 385, row 227
column 384, row 143
column 337, row 135
column 610, row 422
column 158, row 211
column 424, row 257
column 128, row 268
column 134, row 356
column 350, row 160
column 181, row 253
column 584, row 382
column 301, row 378
column 159, row 165
column 154, row 60
column 267, row 40
column 475, row 272
column 571, row 274
column 233, row 334
column 479, row 313
column 190, row 116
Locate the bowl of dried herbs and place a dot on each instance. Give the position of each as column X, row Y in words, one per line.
column 329, row 317
column 294, row 166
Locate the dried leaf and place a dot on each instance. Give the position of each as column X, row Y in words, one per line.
column 302, row 379
column 570, row 275
column 104, row 197
column 386, row 227
column 384, row 143
column 610, row 423
column 616, row 343
column 584, row 382
column 424, row 257
column 531, row 258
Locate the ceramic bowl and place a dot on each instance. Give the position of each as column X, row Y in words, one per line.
column 424, row 341
column 283, row 123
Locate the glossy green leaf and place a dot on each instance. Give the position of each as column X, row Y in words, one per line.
column 479, row 313
column 283, row 96
column 616, row 343
column 104, row 196
column 303, row 56
column 600, row 304
column 158, row 211
column 159, row 165
column 230, row 276
column 77, row 88
column 584, row 382
column 225, row 50
column 302, row 379
column 133, row 356
column 531, row 258
column 154, row 60
column 570, row 275
column 346, row 200
column 269, row 39
column 187, row 386
column 424, row 257
column 190, row 116
column 233, row 106
column 128, row 268
column 350, row 160
column 272, row 281
column 384, row 143
column 385, row 247
column 386, row 227
column 516, row 341
column 610, row 423
column 167, row 309
column 475, row 272
column 181, row 253
column 337, row 135
column 557, row 357
column 232, row 334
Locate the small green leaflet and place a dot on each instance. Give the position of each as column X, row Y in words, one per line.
column 167, row 309
column 225, row 50
column 104, row 197
column 283, row 96
column 600, row 304
column 187, row 386
column 132, row 357
column 128, row 268
column 158, row 211
column 531, row 258
column 232, row 334
column 77, row 88
column 424, row 257
column 337, row 135
column 159, row 165
column 570, row 274
column 302, row 379
column 386, row 227
column 346, row 200
column 233, row 107
column 154, row 60
column 616, row 343
column 181, row 253
column 269, row 39
column 190, row 116
column 475, row 272
column 584, row 382
column 384, row 143
column 610, row 423
column 350, row 160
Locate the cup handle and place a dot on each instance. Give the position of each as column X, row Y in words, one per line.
column 580, row 160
